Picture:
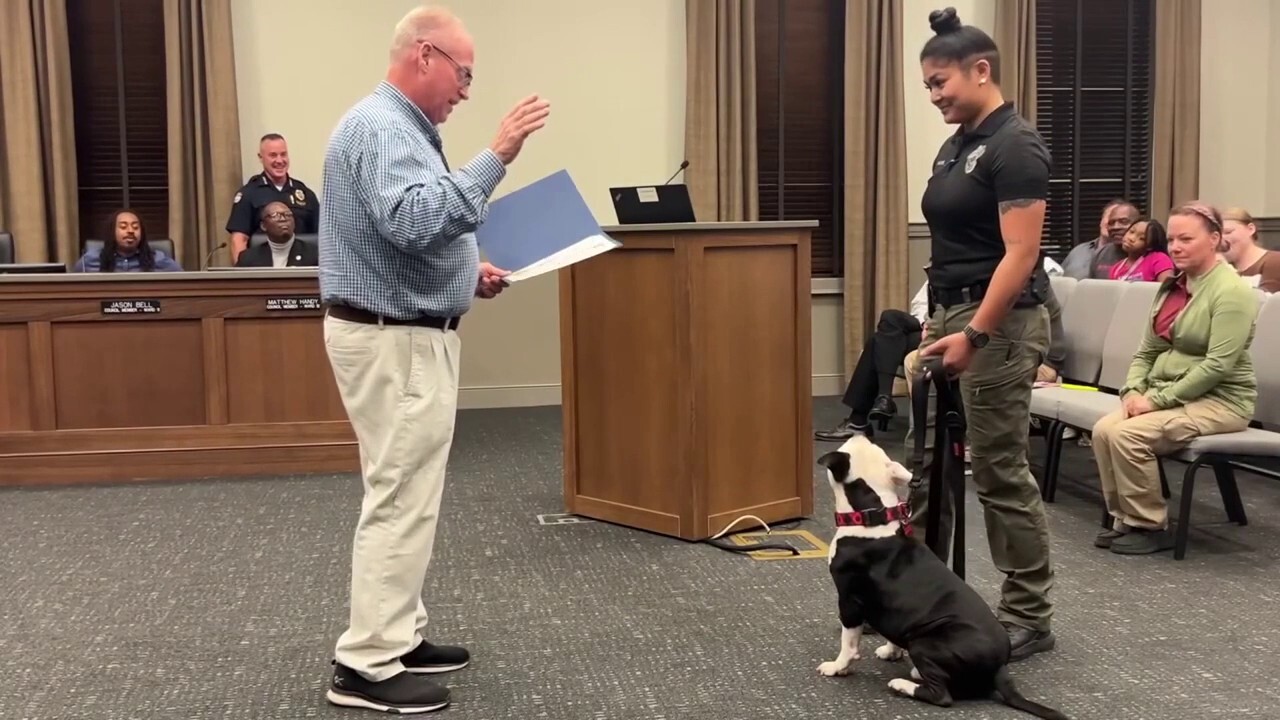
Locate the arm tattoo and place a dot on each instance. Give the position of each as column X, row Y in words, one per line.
column 1008, row 205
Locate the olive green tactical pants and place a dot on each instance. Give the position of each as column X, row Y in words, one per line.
column 996, row 393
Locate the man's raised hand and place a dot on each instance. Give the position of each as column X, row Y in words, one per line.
column 526, row 118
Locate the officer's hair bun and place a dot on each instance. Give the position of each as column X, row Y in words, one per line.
column 945, row 22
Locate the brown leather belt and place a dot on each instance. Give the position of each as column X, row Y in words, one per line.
column 351, row 314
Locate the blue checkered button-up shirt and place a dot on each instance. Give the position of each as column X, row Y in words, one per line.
column 396, row 226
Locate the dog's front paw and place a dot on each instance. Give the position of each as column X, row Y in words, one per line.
column 889, row 651
column 833, row 668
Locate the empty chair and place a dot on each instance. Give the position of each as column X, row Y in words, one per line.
column 7, row 250
column 1081, row 409
column 1086, row 315
column 1062, row 286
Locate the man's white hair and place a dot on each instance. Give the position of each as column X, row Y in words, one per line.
column 423, row 22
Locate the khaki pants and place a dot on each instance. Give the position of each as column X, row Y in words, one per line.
column 996, row 393
column 399, row 385
column 1126, row 449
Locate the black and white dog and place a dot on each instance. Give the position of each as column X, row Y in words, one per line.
column 894, row 583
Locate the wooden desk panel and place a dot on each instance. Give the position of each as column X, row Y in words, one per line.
column 225, row 373
column 278, row 371
column 15, row 378
column 112, row 374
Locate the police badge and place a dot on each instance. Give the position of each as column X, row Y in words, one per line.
column 972, row 161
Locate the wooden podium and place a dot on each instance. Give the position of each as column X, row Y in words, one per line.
column 686, row 377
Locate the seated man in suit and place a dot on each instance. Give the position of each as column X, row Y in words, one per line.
column 281, row 249
column 125, row 249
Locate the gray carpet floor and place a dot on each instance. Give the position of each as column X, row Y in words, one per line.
column 222, row 599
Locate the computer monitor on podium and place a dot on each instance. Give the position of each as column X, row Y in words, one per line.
column 652, row 205
column 31, row 268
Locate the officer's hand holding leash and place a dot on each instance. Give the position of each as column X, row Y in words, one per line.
column 956, row 352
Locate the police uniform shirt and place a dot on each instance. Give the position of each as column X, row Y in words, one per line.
column 259, row 192
column 1002, row 159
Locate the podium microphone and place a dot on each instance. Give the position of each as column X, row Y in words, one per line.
column 683, row 165
column 209, row 257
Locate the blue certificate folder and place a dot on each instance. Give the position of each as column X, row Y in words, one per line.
column 541, row 227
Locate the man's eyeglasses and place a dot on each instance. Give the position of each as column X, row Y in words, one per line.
column 464, row 74
column 277, row 215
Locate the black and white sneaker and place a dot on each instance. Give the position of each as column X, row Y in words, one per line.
column 427, row 658
column 401, row 694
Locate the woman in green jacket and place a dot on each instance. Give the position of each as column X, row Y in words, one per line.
column 1192, row 376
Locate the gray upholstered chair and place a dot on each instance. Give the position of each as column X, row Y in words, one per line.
column 8, row 253
column 1119, row 311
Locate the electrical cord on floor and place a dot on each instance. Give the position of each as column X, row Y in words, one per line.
column 727, row 546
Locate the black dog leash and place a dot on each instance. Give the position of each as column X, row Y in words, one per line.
column 947, row 469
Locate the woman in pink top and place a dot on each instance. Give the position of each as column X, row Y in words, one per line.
column 1146, row 258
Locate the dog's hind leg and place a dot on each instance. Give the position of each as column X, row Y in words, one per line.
column 932, row 687
column 849, row 639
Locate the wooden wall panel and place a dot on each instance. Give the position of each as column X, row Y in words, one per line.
column 277, row 370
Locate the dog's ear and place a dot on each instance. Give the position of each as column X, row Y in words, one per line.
column 898, row 472
column 837, row 462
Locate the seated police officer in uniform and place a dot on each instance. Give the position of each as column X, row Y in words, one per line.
column 282, row 248
column 273, row 184
column 985, row 206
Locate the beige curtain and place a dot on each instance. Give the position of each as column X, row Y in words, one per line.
column 1175, row 146
column 720, row 109
column 1015, row 35
column 875, row 165
column 38, row 192
column 204, row 127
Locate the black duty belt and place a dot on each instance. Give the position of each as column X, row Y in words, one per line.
column 949, row 297
column 353, row 314
column 947, row 469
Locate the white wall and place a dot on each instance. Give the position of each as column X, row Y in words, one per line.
column 1240, row 105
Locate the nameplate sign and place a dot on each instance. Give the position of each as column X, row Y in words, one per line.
column 130, row 307
column 294, row 303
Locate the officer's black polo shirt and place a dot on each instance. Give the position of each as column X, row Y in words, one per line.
column 1002, row 159
column 246, row 208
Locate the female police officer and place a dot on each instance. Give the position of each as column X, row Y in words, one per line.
column 985, row 206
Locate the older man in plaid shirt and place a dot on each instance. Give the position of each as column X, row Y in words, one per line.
column 399, row 266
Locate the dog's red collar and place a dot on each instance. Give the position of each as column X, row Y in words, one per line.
column 877, row 516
